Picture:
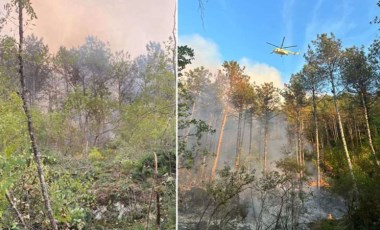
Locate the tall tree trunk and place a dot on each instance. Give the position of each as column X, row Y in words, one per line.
column 119, row 93
column 250, row 135
column 240, row 143
column 243, row 132
column 298, row 141
column 217, row 153
column 351, row 134
column 342, row 134
column 158, row 205
column 191, row 117
column 266, row 129
column 259, row 142
column 316, row 139
column 238, row 133
column 356, row 132
column 360, row 137
column 369, row 130
column 322, row 152
column 335, row 130
column 203, row 169
column 212, row 142
column 302, row 152
column 205, row 140
column 36, row 153
column 327, row 135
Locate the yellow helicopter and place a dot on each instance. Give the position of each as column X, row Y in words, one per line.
column 281, row 50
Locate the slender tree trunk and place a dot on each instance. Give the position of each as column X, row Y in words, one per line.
column 85, row 124
column 322, row 152
column 259, row 140
column 237, row 156
column 212, row 142
column 158, row 205
column 217, row 153
column 316, row 139
column 240, row 144
column 356, row 132
column 342, row 134
column 238, row 133
column 154, row 190
column 36, row 153
column 243, row 132
column 351, row 134
column 191, row 117
column 327, row 135
column 302, row 152
column 298, row 142
column 33, row 93
column 297, row 146
column 203, row 169
column 335, row 130
column 205, row 141
column 250, row 135
column 369, row 130
column 360, row 137
column 211, row 148
column 14, row 207
column 119, row 96
column 266, row 129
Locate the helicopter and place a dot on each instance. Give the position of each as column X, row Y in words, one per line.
column 281, row 50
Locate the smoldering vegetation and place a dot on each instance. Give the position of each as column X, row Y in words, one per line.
column 263, row 201
column 258, row 157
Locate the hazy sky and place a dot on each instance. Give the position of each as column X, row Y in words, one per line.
column 125, row 24
column 238, row 30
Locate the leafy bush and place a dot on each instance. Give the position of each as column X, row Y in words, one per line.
column 95, row 154
column 145, row 165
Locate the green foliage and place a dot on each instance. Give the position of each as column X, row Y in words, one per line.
column 144, row 167
column 72, row 200
column 366, row 214
column 91, row 140
column 229, row 184
column 223, row 202
column 95, row 155
column 268, row 101
column 190, row 86
column 185, row 56
column 13, row 146
column 328, row 225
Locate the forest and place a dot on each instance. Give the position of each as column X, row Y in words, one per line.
column 303, row 156
column 87, row 133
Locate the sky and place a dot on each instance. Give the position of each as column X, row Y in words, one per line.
column 239, row 29
column 125, row 24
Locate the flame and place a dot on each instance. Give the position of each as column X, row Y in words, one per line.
column 323, row 183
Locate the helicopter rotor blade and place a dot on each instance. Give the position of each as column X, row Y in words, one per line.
column 289, row 47
column 282, row 44
column 273, row 45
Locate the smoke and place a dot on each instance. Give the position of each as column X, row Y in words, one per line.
column 207, row 54
column 125, row 25
column 277, row 143
column 261, row 73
